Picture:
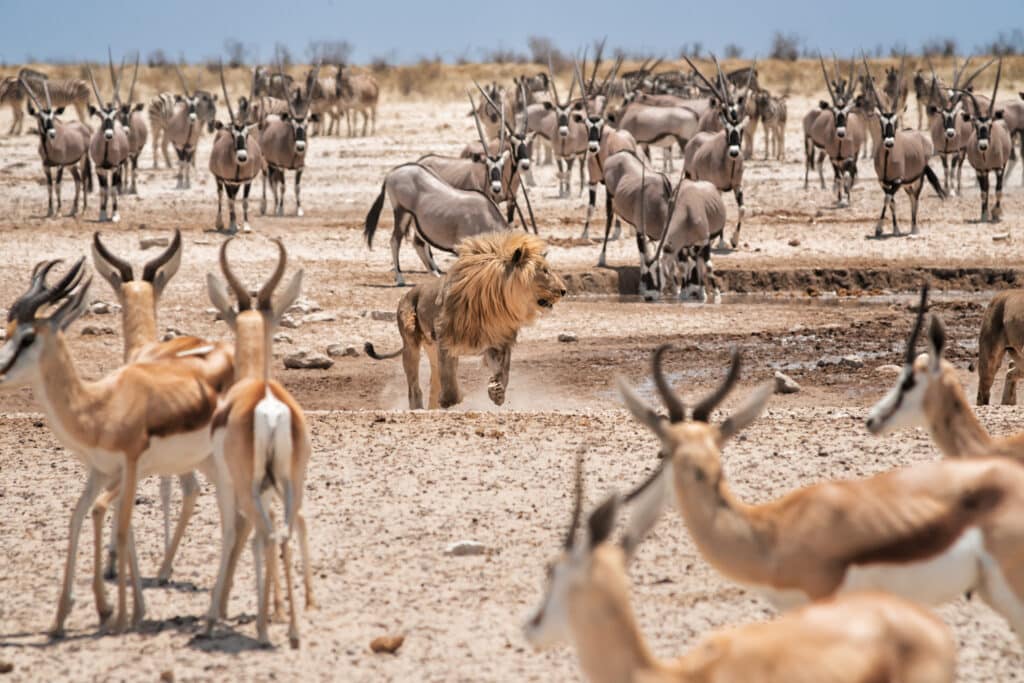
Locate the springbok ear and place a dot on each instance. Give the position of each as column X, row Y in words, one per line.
column 218, row 292
column 288, row 297
column 72, row 309
column 647, row 502
column 998, row 115
column 601, row 522
column 936, row 343
column 641, row 411
column 748, row 412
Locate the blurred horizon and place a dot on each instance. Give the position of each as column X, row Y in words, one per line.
column 459, row 31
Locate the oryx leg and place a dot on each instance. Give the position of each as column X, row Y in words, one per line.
column 182, row 163
column 983, row 185
column 914, row 192
column 582, row 161
column 945, row 172
column 49, row 191
column 59, row 180
column 959, row 159
column 219, row 224
column 650, row 285
column 997, row 210
column 738, row 193
column 497, row 361
column 892, row 211
column 232, row 192
column 426, row 255
column 808, row 160
column 712, row 279
column 821, row 168
column 245, row 204
column 591, row 201
column 114, row 190
column 263, row 199
column 401, row 222
column 298, row 190
column 608, row 214
column 881, row 217
column 77, row 175
column 104, row 179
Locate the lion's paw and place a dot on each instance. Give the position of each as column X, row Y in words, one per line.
column 497, row 392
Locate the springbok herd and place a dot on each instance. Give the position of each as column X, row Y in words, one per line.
column 853, row 565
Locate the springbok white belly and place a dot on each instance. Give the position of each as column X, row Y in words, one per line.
column 934, row 581
column 177, row 454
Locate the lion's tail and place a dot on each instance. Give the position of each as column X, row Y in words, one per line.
column 372, row 353
column 374, row 215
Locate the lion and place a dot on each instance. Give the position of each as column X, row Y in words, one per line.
column 499, row 283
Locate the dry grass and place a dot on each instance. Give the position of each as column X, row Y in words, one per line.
column 433, row 80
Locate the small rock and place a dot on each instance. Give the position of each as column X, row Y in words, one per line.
column 6, row 667
column 464, row 549
column 100, row 307
column 319, row 318
column 289, row 322
column 1001, row 237
column 304, row 306
column 794, row 242
column 851, row 361
column 784, row 384
column 387, row 644
column 167, row 676
column 568, row 337
column 342, row 351
column 282, row 338
column 96, row 331
column 384, row 316
column 889, row 369
column 150, row 242
column 304, row 360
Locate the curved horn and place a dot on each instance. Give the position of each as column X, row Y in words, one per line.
column 577, row 502
column 149, row 271
column 124, row 269
column 24, row 308
column 675, row 405
column 922, row 308
column 995, row 89
column 266, row 294
column 96, row 90
column 702, row 411
column 184, row 83
column 244, row 301
column 227, row 98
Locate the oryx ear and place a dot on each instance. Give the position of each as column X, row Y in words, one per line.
column 932, row 110
column 998, row 115
column 285, row 116
column 822, row 104
column 548, row 106
column 965, row 116
column 477, row 157
column 214, row 97
column 218, row 292
column 31, row 109
column 139, row 107
column 315, row 118
column 748, row 412
column 601, row 522
column 288, row 296
column 93, row 111
column 217, row 125
column 577, row 117
column 60, row 110
column 179, row 98
column 936, row 343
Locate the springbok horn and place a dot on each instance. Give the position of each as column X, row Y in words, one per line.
column 266, row 294
column 124, row 269
column 244, row 300
column 702, row 411
column 577, row 503
column 149, row 271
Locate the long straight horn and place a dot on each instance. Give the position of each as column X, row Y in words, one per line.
column 576, row 74
column 702, row 411
column 96, row 90
column 521, row 130
column 227, row 98
column 184, row 83
column 577, row 502
column 597, row 65
column 266, row 294
column 135, row 75
column 899, row 77
column 676, row 407
column 115, row 81
column 713, row 88
column 723, row 83
column 922, row 307
column 554, row 86
column 501, row 132
column 244, row 300
column 610, row 76
column 750, row 77
column 869, row 80
column 312, row 84
column 995, row 89
column 476, row 120
column 572, row 88
column 46, row 92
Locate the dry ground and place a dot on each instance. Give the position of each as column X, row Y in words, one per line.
column 389, row 489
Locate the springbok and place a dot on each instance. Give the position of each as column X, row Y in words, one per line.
column 901, row 159
column 261, row 448
column 212, row 361
column 989, row 147
column 134, row 124
column 62, row 145
column 928, row 392
column 717, row 157
column 443, row 215
column 141, row 419
column 282, row 141
column 849, row 639
column 928, row 533
column 235, row 161
column 360, row 94
column 108, row 147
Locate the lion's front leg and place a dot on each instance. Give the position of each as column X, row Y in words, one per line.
column 449, row 367
column 498, row 361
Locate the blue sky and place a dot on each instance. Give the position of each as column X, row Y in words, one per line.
column 406, row 31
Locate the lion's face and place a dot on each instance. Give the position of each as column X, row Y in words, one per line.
column 548, row 287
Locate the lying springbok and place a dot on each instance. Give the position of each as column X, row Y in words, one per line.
column 696, row 216
column 928, row 533
column 179, row 119
column 282, row 141
column 109, row 146
column 134, row 124
column 837, row 131
column 443, row 215
column 717, row 157
column 949, row 129
column 989, row 147
column 901, row 159
column 928, row 392
column 640, row 199
column 235, row 161
column 360, row 94
column 212, row 361
column 61, row 145
column 139, row 420
column 261, row 448
column 858, row 638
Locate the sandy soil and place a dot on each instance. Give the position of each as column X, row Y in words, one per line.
column 388, row 489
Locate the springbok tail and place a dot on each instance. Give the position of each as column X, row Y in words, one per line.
column 374, row 215
column 272, row 456
column 934, row 180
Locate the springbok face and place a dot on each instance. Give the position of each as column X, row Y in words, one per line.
column 904, row 405
column 734, row 134
column 46, row 119
column 108, row 116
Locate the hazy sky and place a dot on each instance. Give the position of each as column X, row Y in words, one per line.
column 406, row 31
